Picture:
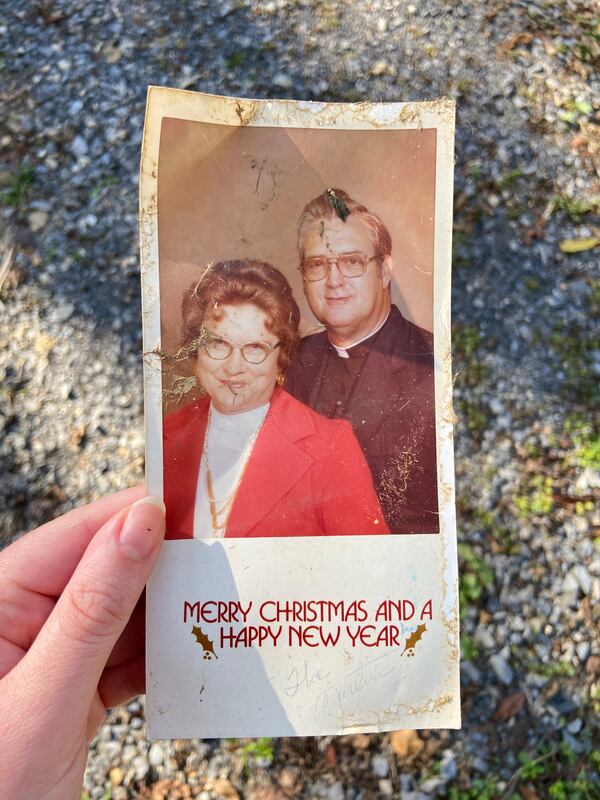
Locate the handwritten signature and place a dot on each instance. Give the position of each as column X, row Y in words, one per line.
column 354, row 682
column 300, row 677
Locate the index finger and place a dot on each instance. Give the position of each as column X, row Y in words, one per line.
column 44, row 560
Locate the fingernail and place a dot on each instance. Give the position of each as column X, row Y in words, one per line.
column 143, row 528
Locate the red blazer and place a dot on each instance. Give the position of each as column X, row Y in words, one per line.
column 306, row 476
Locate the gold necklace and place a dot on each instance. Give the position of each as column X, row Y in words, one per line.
column 227, row 504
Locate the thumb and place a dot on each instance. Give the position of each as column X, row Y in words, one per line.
column 90, row 615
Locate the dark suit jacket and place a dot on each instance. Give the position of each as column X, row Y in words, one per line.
column 306, row 475
column 392, row 411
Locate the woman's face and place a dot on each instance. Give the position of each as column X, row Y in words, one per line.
column 234, row 384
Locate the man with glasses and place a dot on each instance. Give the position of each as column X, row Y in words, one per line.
column 370, row 365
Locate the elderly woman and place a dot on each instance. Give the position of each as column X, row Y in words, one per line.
column 247, row 459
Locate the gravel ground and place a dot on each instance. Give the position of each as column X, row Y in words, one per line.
column 73, row 80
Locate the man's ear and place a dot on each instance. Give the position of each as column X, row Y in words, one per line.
column 385, row 271
column 304, row 285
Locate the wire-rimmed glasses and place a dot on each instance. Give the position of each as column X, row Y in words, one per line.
column 351, row 265
column 219, row 348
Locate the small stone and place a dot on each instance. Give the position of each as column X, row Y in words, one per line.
column 288, row 777
column 37, row 220
column 575, row 726
column 562, row 702
column 485, row 638
column 578, row 578
column 385, row 787
column 79, row 146
column 112, row 54
column 431, row 785
column 496, row 406
column 587, row 481
column 116, row 776
column 583, row 650
column 129, row 753
column 89, row 221
column 63, row 311
column 110, row 749
column 283, row 81
column 480, row 765
column 141, row 767
column 75, row 107
column 379, row 67
column 380, row 766
column 336, row 791
column 156, row 754
column 576, row 745
column 502, row 669
column 360, row 741
column 382, row 25
column 469, row 672
column 448, row 768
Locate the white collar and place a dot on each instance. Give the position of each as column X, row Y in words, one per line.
column 343, row 351
column 242, row 422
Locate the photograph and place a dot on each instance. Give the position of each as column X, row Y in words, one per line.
column 296, row 315
column 298, row 402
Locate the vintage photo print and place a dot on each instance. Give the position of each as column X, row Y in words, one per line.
column 296, row 284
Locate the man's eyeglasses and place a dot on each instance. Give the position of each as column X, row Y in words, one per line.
column 219, row 348
column 351, row 265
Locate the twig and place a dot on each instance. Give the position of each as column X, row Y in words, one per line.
column 515, row 778
column 6, row 265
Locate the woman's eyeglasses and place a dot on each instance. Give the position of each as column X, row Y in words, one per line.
column 219, row 348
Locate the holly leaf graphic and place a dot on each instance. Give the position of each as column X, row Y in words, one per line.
column 204, row 642
column 413, row 639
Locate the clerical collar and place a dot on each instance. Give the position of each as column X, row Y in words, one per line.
column 343, row 351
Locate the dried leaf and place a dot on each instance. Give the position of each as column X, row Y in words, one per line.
column 168, row 790
column 593, row 667
column 270, row 792
column 205, row 642
column 509, row 706
column 514, row 41
column 360, row 741
column 55, row 493
column 579, row 245
column 289, row 779
column 331, row 756
column 221, row 787
column 77, row 436
column 406, row 743
column 43, row 344
column 527, row 792
column 579, row 142
column 338, row 205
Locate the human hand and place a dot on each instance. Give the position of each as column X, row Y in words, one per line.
column 71, row 638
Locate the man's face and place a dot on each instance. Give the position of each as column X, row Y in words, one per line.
column 348, row 307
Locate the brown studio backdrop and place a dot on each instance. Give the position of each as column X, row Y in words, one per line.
column 234, row 192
